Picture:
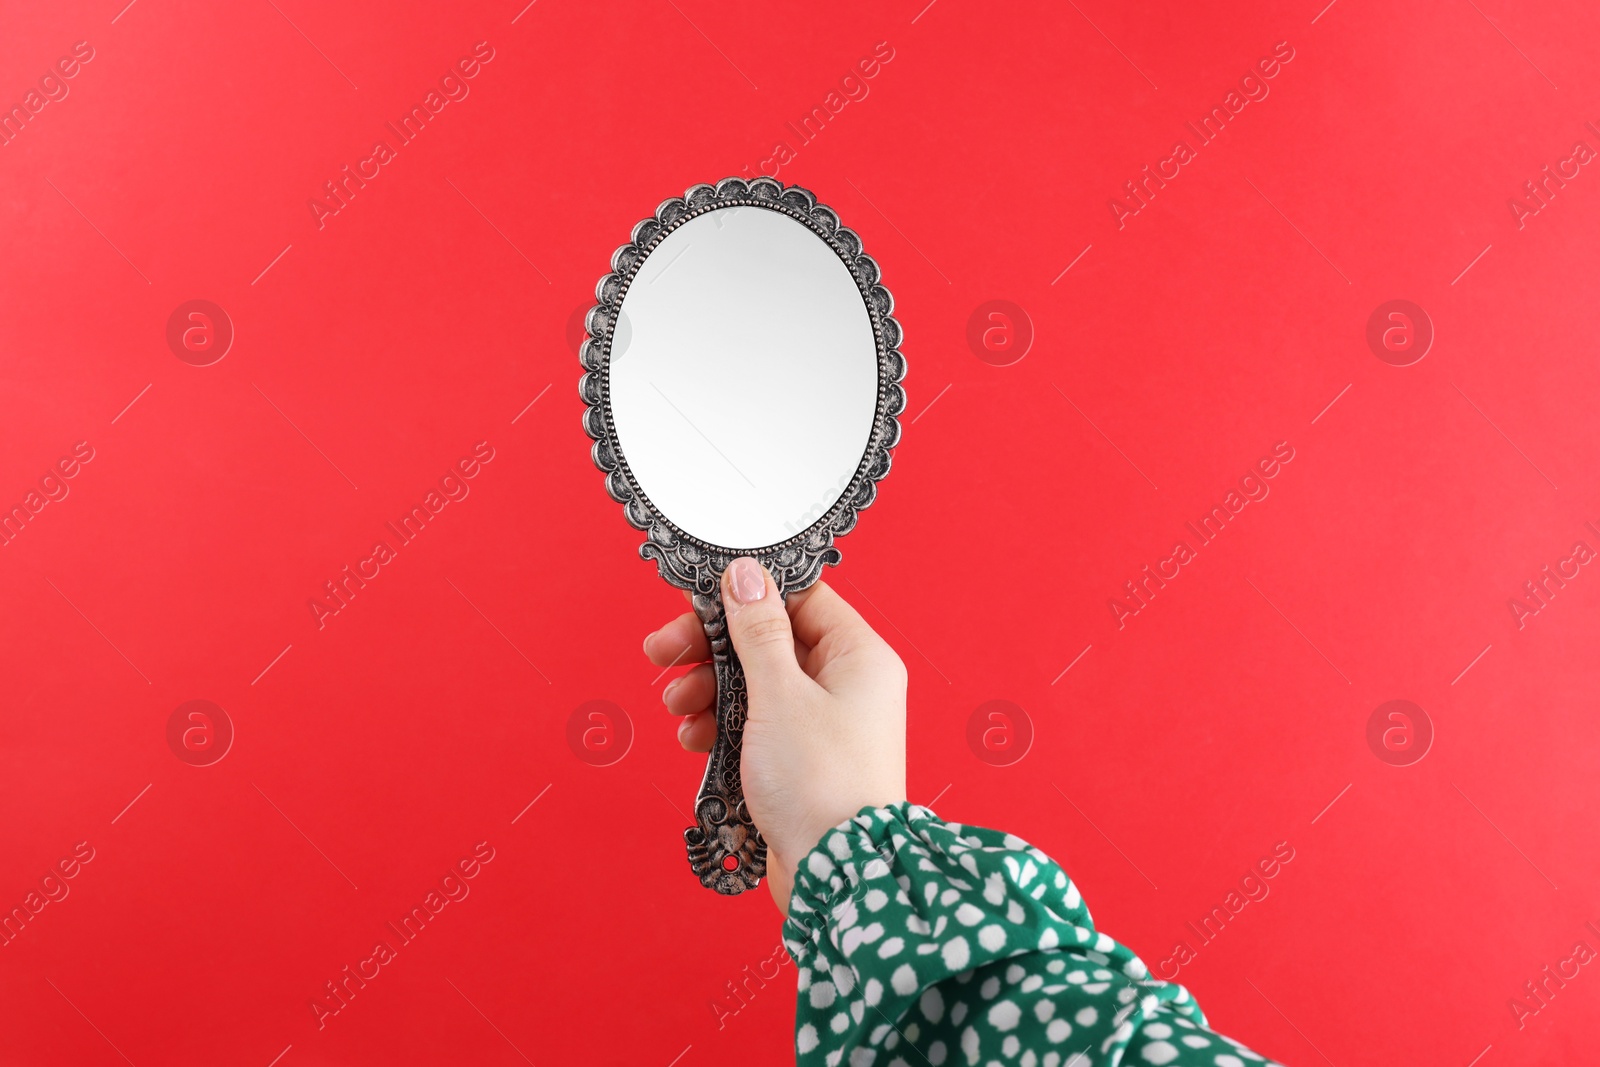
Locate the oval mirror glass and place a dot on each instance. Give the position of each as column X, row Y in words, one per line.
column 743, row 377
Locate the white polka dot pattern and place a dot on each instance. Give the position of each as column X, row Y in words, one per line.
column 971, row 946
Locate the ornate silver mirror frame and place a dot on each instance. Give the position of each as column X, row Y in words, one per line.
column 726, row 850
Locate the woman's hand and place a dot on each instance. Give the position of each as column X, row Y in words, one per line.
column 826, row 733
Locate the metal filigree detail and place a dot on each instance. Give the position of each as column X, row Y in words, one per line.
column 724, row 828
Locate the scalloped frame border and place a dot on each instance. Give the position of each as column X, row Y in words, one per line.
column 682, row 559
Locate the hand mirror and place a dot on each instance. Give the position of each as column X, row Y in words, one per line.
column 742, row 387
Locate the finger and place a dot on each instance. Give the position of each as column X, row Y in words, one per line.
column 811, row 664
column 697, row 732
column 818, row 611
column 694, row 692
column 681, row 641
column 759, row 626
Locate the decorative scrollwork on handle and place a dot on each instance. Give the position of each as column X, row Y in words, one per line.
column 726, row 851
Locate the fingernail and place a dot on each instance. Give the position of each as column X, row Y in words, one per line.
column 667, row 692
column 647, row 638
column 682, row 726
column 747, row 580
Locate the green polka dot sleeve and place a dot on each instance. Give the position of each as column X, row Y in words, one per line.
column 918, row 941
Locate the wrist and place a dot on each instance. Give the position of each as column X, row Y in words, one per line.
column 833, row 814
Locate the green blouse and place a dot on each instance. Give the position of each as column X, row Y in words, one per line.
column 918, row 941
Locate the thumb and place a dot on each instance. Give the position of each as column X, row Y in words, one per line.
column 758, row 624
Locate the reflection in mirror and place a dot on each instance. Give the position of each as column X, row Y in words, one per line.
column 743, row 377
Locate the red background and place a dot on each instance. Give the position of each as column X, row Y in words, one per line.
column 375, row 752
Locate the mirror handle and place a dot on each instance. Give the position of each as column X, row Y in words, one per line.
column 726, row 851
